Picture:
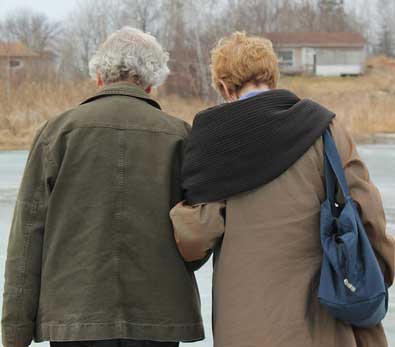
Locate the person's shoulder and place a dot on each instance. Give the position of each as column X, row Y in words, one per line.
column 40, row 134
column 57, row 125
column 145, row 117
column 173, row 125
column 342, row 138
column 153, row 118
column 339, row 131
column 63, row 119
column 132, row 112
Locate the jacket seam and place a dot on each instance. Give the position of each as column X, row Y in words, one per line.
column 121, row 322
column 33, row 209
column 48, row 155
column 124, row 92
column 30, row 203
column 18, row 325
column 119, row 206
column 44, row 141
column 111, row 126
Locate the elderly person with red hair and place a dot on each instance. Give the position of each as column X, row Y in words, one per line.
column 253, row 177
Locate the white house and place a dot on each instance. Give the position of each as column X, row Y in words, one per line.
column 322, row 54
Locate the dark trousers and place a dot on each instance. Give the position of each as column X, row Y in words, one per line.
column 115, row 343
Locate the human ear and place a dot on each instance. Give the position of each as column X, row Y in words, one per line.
column 228, row 94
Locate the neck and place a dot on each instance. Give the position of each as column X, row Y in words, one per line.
column 128, row 82
column 252, row 87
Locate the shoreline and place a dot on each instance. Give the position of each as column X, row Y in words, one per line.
column 14, row 148
column 375, row 139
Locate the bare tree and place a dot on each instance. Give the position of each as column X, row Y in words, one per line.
column 253, row 16
column 202, row 34
column 298, row 16
column 33, row 29
column 144, row 14
column 386, row 12
column 93, row 20
column 333, row 16
column 89, row 25
column 189, row 29
column 5, row 40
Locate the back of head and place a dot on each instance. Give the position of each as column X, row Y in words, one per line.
column 240, row 59
column 130, row 55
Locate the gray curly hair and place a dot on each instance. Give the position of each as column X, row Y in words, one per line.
column 130, row 54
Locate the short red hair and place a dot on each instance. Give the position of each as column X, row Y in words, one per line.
column 239, row 59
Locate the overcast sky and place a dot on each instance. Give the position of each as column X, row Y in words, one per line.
column 56, row 9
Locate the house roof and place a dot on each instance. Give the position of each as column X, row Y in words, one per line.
column 317, row 39
column 16, row 49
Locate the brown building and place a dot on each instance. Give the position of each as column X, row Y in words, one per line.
column 322, row 54
column 17, row 61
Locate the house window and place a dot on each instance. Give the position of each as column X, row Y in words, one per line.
column 15, row 64
column 286, row 58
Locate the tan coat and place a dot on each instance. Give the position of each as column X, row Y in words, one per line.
column 271, row 252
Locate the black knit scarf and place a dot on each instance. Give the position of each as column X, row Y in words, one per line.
column 239, row 146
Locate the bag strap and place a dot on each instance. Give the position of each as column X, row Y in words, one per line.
column 333, row 163
column 330, row 182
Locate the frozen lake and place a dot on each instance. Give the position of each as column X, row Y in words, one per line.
column 380, row 160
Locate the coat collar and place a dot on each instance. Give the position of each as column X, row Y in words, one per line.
column 126, row 89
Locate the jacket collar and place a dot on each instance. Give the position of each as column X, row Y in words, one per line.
column 126, row 89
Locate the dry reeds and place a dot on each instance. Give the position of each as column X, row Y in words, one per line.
column 365, row 104
column 25, row 106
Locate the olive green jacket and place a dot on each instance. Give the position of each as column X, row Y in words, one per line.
column 91, row 252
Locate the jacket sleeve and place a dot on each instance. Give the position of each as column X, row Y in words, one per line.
column 367, row 196
column 23, row 264
column 197, row 229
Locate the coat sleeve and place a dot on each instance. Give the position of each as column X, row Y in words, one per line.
column 197, row 228
column 23, row 264
column 367, row 196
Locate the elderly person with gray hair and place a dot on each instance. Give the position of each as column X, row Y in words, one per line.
column 91, row 257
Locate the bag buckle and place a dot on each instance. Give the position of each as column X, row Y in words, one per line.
column 349, row 285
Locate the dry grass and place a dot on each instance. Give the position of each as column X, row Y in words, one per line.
column 365, row 104
column 30, row 104
column 26, row 106
column 185, row 109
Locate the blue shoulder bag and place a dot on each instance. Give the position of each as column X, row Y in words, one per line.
column 352, row 286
